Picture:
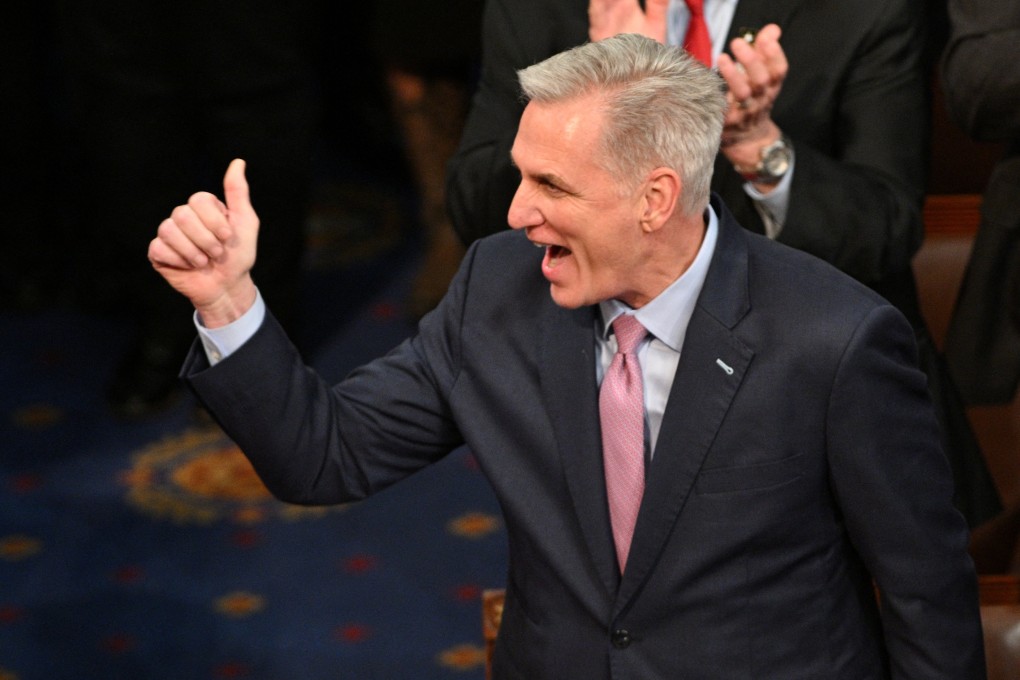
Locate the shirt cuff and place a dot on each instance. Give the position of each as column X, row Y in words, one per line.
column 773, row 205
column 219, row 343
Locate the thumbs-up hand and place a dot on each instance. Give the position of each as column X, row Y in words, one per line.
column 206, row 250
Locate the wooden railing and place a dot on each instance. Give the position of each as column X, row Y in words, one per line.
column 951, row 214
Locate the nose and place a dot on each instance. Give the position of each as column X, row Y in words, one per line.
column 523, row 213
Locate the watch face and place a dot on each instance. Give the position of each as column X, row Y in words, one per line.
column 776, row 160
column 774, row 163
column 777, row 163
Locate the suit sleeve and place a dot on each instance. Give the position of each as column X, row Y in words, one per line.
column 894, row 489
column 858, row 189
column 314, row 443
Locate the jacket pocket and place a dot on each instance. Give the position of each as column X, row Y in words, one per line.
column 749, row 477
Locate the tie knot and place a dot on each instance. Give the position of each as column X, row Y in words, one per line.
column 629, row 332
column 697, row 7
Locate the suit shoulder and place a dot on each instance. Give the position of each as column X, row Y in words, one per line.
column 799, row 301
column 803, row 278
column 507, row 245
column 505, row 264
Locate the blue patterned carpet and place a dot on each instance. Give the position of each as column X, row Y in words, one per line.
column 150, row 549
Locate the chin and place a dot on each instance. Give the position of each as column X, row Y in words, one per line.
column 568, row 299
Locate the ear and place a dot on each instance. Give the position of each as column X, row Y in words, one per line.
column 661, row 195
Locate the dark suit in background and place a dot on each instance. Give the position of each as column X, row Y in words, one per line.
column 855, row 104
column 768, row 510
column 982, row 92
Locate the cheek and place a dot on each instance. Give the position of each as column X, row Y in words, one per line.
column 598, row 271
column 603, row 251
column 595, row 237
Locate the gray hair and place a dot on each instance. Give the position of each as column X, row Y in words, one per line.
column 663, row 107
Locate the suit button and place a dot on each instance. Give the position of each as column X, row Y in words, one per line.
column 621, row 638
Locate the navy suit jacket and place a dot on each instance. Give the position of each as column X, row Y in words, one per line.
column 798, row 463
column 855, row 103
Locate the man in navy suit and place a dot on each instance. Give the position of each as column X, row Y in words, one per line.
column 791, row 454
column 829, row 156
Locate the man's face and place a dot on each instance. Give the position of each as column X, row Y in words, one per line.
column 570, row 205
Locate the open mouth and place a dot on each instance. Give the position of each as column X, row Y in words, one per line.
column 554, row 254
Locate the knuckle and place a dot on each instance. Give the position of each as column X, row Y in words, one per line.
column 166, row 228
column 199, row 197
column 180, row 214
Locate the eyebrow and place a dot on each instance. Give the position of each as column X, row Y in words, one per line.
column 549, row 178
column 544, row 177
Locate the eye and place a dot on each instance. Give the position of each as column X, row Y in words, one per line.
column 550, row 187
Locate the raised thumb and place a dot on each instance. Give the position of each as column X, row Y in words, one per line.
column 235, row 189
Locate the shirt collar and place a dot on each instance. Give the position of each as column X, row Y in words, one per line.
column 667, row 315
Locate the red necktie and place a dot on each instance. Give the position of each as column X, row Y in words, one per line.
column 621, row 412
column 697, row 41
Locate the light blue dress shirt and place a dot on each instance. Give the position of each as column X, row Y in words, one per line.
column 665, row 318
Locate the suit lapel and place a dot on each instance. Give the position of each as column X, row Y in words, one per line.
column 571, row 397
column 712, row 365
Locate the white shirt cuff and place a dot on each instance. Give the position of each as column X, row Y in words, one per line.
column 219, row 343
column 772, row 206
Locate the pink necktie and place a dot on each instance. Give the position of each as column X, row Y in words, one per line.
column 621, row 411
column 697, row 41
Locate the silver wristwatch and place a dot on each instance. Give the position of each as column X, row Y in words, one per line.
column 774, row 163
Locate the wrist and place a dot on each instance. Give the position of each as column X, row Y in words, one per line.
column 764, row 162
column 229, row 307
